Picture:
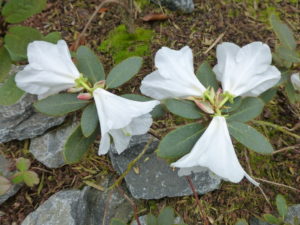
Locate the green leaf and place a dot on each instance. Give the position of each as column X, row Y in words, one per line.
column 60, row 104
column 115, row 221
column 89, row 120
column 89, row 64
column 124, row 71
column 268, row 95
column 206, row 76
column 23, row 164
column 291, row 92
column 180, row 141
column 287, row 54
column 4, row 185
column 16, row 11
column 230, row 107
column 9, row 92
column 151, row 220
column 241, row 222
column 271, row 219
column 17, row 39
column 184, row 108
column 5, row 64
column 30, row 178
column 281, row 205
column 77, row 145
column 158, row 110
column 52, row 37
column 283, row 32
column 250, row 137
column 166, row 216
column 17, row 178
column 249, row 109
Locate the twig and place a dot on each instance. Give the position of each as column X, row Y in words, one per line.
column 277, row 127
column 201, row 210
column 214, row 43
column 135, row 209
column 130, row 165
column 93, row 16
column 286, row 149
column 277, row 184
column 264, row 194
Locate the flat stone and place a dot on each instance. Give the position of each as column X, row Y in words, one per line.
column 153, row 178
column 143, row 221
column 86, row 207
column 4, row 171
column 183, row 5
column 48, row 148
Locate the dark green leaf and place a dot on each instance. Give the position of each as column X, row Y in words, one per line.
column 241, row 222
column 60, row 104
column 9, row 92
column 89, row 120
column 291, row 93
column 52, row 37
column 30, row 178
column 250, row 108
column 271, row 219
column 230, row 107
column 4, row 185
column 281, row 205
column 250, row 137
column 183, row 108
column 151, row 220
column 115, row 221
column 287, row 54
column 166, row 216
column 180, row 141
column 89, row 64
column 158, row 110
column 16, row 11
column 17, row 40
column 268, row 95
column 5, row 64
column 77, row 145
column 23, row 164
column 206, row 76
column 280, row 62
column 124, row 71
column 283, row 32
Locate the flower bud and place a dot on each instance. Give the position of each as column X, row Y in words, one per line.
column 205, row 107
column 295, row 79
column 100, row 84
column 84, row 96
column 75, row 89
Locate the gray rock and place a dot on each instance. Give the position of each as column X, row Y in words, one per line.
column 155, row 178
column 143, row 220
column 86, row 207
column 4, row 171
column 183, row 5
column 48, row 149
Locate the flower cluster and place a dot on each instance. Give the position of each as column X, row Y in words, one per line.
column 242, row 71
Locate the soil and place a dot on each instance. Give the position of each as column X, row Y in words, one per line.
column 241, row 22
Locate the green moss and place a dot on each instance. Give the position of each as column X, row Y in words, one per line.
column 121, row 44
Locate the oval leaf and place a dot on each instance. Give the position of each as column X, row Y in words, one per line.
column 166, row 216
column 268, row 95
column 281, row 205
column 287, row 54
column 9, row 92
column 249, row 109
column 250, row 137
column 89, row 120
column 60, row 104
column 90, row 65
column 158, row 110
column 17, row 39
column 5, row 64
column 16, row 11
column 23, row 164
column 206, row 76
column 124, row 71
column 183, row 108
column 30, row 178
column 77, row 145
column 230, row 107
column 180, row 141
column 271, row 219
column 151, row 219
column 52, row 37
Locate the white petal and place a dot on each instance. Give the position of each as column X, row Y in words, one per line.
column 175, row 75
column 104, row 144
column 119, row 113
column 50, row 69
column 295, row 79
column 215, row 151
column 246, row 70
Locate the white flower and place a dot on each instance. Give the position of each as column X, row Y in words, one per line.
column 245, row 71
column 295, row 79
column 50, row 69
column 121, row 118
column 215, row 151
column 174, row 76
